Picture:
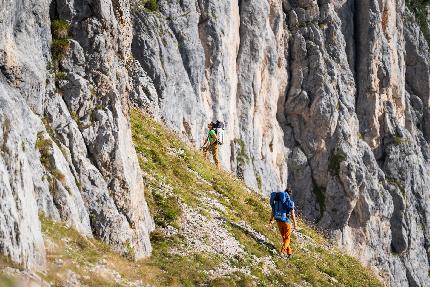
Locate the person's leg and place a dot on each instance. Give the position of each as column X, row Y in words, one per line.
column 285, row 230
column 281, row 227
column 287, row 239
column 215, row 154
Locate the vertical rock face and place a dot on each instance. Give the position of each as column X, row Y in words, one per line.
column 328, row 97
column 66, row 143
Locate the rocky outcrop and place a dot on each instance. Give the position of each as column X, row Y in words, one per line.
column 66, row 143
column 329, row 97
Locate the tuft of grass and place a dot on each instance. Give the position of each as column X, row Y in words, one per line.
column 58, row 175
column 149, row 5
column 399, row 140
column 60, row 29
column 59, row 48
column 59, row 76
column 6, row 130
column 44, row 146
column 398, row 183
column 242, row 156
column 259, row 182
column 166, row 210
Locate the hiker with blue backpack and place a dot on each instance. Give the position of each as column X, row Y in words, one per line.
column 283, row 212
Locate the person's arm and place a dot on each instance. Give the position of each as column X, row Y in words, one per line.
column 293, row 218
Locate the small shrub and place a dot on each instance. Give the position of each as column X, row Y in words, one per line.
column 168, row 210
column 157, row 236
column 59, row 48
column 242, row 156
column 93, row 92
column 44, row 146
column 58, row 175
column 259, row 182
column 151, row 5
column 76, row 118
column 399, row 140
column 6, row 131
column 60, row 29
column 131, row 252
column 59, row 76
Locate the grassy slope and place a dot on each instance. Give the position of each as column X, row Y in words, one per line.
column 179, row 181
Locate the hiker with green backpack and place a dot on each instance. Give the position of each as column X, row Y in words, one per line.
column 213, row 140
column 282, row 209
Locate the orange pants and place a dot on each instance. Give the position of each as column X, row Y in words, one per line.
column 214, row 149
column 285, row 230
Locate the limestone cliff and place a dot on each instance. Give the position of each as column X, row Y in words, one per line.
column 66, row 147
column 328, row 97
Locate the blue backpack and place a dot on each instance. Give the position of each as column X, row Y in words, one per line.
column 281, row 204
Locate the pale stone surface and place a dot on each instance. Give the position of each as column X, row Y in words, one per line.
column 66, row 141
column 328, row 97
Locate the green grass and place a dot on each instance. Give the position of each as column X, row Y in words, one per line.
column 44, row 147
column 176, row 175
column 153, row 142
column 59, row 76
column 59, row 48
column 149, row 5
column 60, row 29
column 6, row 281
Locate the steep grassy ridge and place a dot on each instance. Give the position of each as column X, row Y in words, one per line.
column 211, row 231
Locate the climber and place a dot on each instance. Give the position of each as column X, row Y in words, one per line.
column 282, row 208
column 211, row 143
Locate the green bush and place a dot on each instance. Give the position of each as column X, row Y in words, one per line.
column 59, row 48
column 60, row 76
column 151, row 5
column 44, row 146
column 60, row 29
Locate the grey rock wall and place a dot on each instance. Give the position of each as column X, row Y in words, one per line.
column 66, row 142
column 328, row 97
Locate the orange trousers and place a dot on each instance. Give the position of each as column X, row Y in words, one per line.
column 285, row 230
column 214, row 149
